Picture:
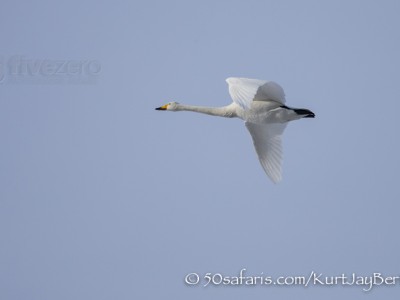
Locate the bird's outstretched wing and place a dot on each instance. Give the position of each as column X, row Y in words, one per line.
column 245, row 90
column 268, row 144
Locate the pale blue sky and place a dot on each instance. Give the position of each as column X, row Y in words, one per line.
column 101, row 197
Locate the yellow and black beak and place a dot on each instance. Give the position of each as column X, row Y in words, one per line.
column 164, row 107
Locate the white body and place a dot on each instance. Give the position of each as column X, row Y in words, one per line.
column 259, row 112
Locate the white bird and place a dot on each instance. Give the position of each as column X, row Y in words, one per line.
column 261, row 104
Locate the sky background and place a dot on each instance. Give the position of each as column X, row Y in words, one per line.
column 102, row 197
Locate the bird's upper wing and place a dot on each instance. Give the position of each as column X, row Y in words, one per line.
column 245, row 90
column 268, row 144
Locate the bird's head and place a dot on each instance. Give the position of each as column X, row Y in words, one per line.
column 169, row 106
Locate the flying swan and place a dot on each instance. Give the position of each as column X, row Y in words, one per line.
column 261, row 104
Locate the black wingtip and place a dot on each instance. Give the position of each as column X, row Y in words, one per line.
column 305, row 113
column 310, row 115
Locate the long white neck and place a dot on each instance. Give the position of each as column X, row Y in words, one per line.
column 228, row 111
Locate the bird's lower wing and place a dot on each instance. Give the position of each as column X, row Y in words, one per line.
column 268, row 143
